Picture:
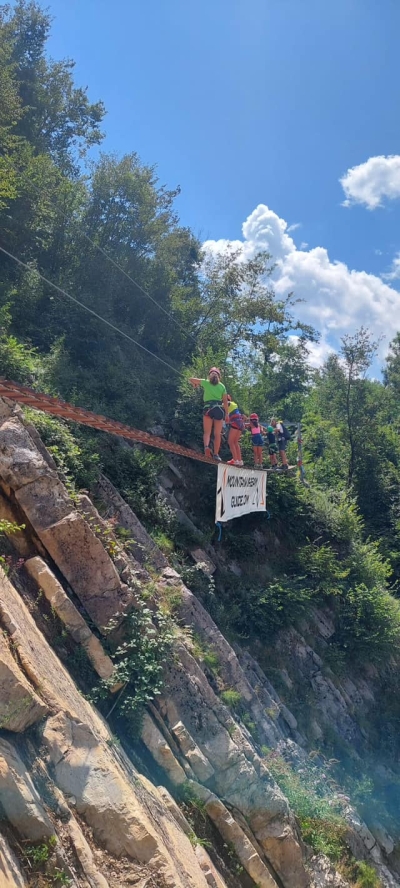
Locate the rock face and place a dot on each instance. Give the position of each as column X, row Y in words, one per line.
column 87, row 567
column 142, row 546
column 21, row 462
column 84, row 853
column 19, row 797
column 85, row 770
column 247, row 852
column 20, row 707
column 324, row 875
column 70, row 616
column 46, row 674
column 235, row 772
column 125, row 817
column 64, row 533
column 10, row 872
column 68, row 779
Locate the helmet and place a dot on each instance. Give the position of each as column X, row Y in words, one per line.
column 215, row 370
column 253, row 416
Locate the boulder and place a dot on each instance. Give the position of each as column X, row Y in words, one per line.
column 161, row 751
column 20, row 706
column 212, row 876
column 278, row 840
column 324, row 875
column 70, row 616
column 383, row 838
column 201, row 558
column 44, row 501
column 20, row 800
column 88, row 568
column 7, row 408
column 199, row 764
column 20, row 461
column 11, row 875
column 234, row 836
column 84, row 854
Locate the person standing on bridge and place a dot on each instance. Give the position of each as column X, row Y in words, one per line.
column 215, row 410
column 236, row 428
column 257, row 440
column 282, row 438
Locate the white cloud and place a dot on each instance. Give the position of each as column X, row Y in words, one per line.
column 394, row 273
column 294, row 226
column 318, row 352
column 337, row 299
column 370, row 182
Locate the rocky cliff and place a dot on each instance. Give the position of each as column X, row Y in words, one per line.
column 193, row 801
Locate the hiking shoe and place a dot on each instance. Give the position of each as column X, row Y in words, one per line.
column 207, row 452
column 239, row 462
column 232, row 462
column 217, row 457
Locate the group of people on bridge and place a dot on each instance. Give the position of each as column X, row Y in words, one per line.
column 219, row 407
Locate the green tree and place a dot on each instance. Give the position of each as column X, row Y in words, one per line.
column 391, row 372
column 236, row 313
column 58, row 117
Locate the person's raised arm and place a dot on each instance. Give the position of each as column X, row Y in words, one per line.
column 195, row 382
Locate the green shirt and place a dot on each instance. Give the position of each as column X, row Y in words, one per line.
column 212, row 392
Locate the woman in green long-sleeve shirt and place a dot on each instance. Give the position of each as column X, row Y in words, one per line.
column 215, row 409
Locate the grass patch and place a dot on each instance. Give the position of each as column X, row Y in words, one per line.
column 231, row 698
column 318, row 816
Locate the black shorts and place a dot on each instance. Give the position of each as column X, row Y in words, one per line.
column 214, row 411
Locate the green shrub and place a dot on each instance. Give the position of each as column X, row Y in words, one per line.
column 163, row 541
column 8, row 527
column 231, row 698
column 321, row 564
column 324, row 836
column 206, row 654
column 76, row 460
column 18, row 362
column 139, row 663
column 362, row 875
column 367, row 622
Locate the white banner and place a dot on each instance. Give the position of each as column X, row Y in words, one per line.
column 239, row 491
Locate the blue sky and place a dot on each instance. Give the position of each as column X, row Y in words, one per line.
column 263, row 103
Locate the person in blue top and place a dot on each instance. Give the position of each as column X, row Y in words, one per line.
column 215, row 410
